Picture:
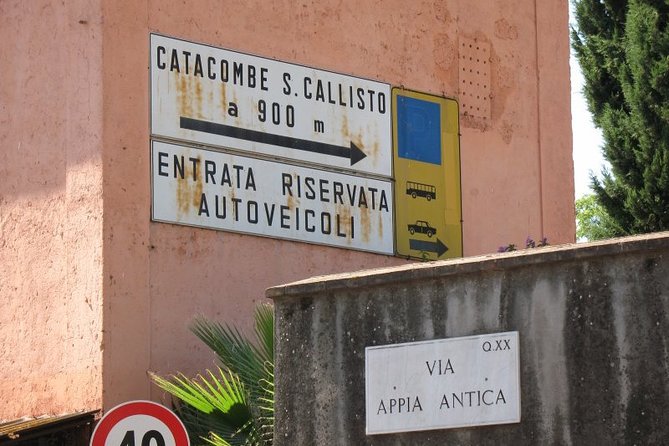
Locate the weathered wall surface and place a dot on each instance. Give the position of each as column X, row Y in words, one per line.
column 50, row 207
column 593, row 323
column 74, row 109
column 516, row 151
column 177, row 272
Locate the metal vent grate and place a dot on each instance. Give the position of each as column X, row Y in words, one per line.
column 474, row 70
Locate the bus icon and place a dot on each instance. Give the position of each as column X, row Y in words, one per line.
column 421, row 190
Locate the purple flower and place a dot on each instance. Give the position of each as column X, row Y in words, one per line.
column 529, row 243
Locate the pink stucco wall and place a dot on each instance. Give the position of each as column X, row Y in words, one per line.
column 50, row 207
column 145, row 281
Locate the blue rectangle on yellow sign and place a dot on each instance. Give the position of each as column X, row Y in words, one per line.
column 426, row 158
column 418, row 130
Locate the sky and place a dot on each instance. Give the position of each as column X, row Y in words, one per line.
column 587, row 139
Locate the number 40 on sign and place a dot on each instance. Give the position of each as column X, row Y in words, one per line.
column 140, row 423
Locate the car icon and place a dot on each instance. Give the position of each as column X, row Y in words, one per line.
column 422, row 227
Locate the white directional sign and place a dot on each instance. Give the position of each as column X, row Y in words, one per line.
column 218, row 190
column 447, row 383
column 228, row 99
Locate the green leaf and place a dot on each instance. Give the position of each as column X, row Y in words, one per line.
column 236, row 405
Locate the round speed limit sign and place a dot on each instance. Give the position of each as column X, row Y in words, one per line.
column 140, row 423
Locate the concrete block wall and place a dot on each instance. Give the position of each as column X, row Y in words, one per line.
column 593, row 323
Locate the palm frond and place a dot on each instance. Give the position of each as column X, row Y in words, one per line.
column 236, row 353
column 202, row 427
column 264, row 328
column 209, row 403
column 234, row 407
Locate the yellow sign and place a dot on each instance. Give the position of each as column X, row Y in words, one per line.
column 426, row 155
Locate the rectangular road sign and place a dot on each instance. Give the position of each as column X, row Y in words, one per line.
column 443, row 383
column 223, row 98
column 216, row 190
column 426, row 152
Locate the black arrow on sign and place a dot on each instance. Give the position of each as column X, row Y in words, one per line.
column 353, row 152
column 437, row 247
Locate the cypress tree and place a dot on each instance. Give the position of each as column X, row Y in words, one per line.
column 623, row 49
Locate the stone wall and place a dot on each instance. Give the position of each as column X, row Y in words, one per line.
column 593, row 327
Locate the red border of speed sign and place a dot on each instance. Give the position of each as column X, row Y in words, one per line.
column 125, row 410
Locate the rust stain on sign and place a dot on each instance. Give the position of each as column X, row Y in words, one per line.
column 183, row 194
column 185, row 106
column 371, row 150
column 344, row 215
column 198, row 186
column 344, row 127
column 365, row 224
column 189, row 188
column 375, row 149
column 379, row 225
column 198, row 98
column 224, row 99
column 190, row 96
column 290, row 202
